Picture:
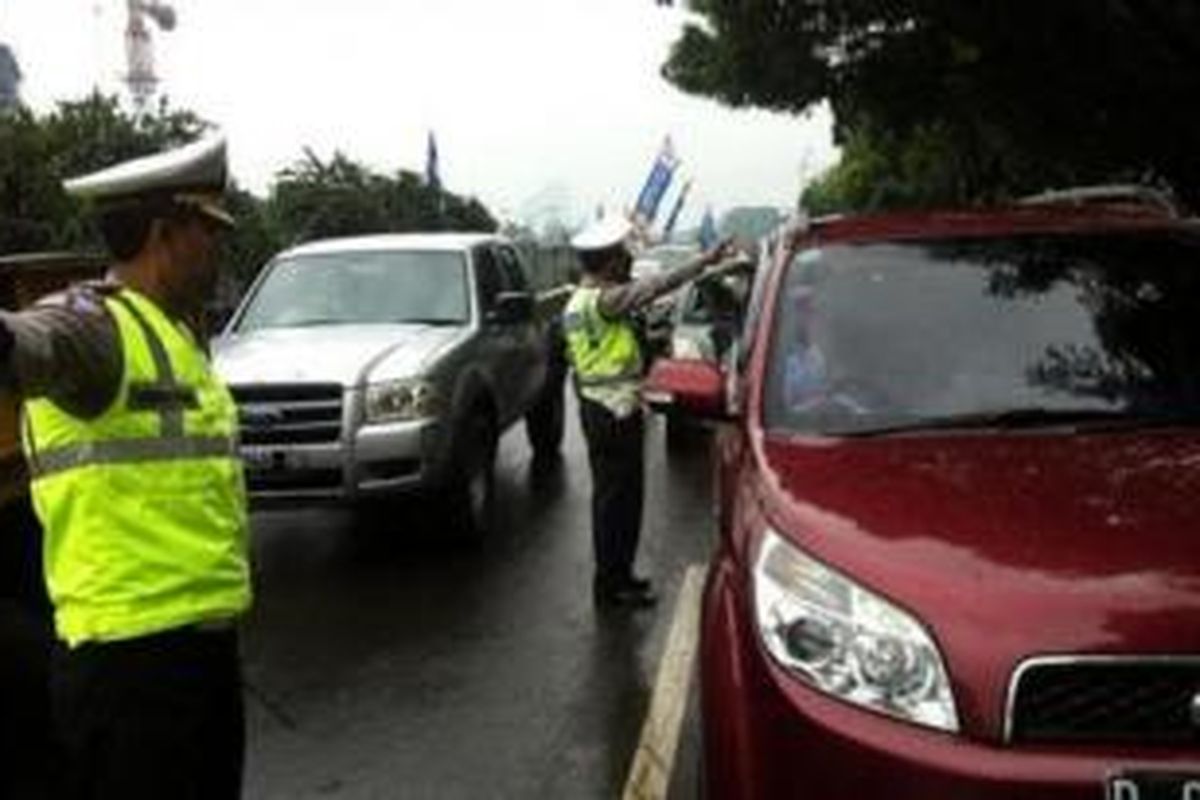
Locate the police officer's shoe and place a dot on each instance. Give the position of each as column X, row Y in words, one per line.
column 633, row 593
column 640, row 583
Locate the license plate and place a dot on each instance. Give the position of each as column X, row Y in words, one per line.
column 261, row 459
column 1154, row 786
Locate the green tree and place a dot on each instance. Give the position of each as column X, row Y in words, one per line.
column 312, row 199
column 315, row 199
column 38, row 153
column 31, row 202
column 255, row 239
column 1017, row 95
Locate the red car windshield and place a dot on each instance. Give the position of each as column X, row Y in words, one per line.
column 992, row 332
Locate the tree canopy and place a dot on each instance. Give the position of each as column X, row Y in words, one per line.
column 37, row 153
column 314, row 199
column 311, row 199
column 1018, row 95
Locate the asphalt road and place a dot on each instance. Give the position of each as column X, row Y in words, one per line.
column 385, row 661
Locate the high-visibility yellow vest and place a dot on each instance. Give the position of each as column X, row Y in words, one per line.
column 143, row 507
column 604, row 353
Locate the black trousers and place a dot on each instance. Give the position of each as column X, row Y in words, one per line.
column 29, row 762
column 155, row 717
column 616, row 453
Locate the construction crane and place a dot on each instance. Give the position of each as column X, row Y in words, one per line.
column 139, row 50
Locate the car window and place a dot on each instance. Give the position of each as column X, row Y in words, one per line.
column 891, row 334
column 489, row 280
column 373, row 287
column 514, row 275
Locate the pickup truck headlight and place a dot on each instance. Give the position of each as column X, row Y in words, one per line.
column 847, row 641
column 397, row 401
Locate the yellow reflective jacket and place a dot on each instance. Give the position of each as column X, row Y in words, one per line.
column 603, row 352
column 143, row 507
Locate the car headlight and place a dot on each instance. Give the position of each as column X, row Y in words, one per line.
column 847, row 641
column 396, row 401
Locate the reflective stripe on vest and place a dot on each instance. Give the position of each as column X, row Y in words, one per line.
column 131, row 451
column 144, row 507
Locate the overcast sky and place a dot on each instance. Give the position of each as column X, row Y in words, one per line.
column 533, row 102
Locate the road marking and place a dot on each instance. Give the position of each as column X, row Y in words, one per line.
column 650, row 775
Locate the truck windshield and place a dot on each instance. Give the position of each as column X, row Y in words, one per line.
column 377, row 287
column 1007, row 333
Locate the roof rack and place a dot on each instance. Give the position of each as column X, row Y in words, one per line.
column 1110, row 194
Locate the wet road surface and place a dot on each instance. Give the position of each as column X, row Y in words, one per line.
column 385, row 661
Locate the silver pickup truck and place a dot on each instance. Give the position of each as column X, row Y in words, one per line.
column 379, row 365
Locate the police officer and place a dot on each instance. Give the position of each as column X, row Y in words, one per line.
column 130, row 440
column 602, row 346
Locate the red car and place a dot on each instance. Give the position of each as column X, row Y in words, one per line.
column 959, row 511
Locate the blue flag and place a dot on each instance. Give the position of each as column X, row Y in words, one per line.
column 10, row 78
column 656, row 184
column 671, row 220
column 708, row 230
column 431, row 164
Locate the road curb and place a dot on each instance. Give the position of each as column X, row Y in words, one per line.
column 650, row 774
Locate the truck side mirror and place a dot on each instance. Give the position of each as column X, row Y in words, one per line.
column 511, row 308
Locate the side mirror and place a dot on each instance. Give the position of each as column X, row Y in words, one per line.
column 692, row 386
column 511, row 308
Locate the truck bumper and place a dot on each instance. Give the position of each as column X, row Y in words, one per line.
column 375, row 461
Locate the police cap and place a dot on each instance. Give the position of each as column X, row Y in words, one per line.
column 192, row 177
column 607, row 232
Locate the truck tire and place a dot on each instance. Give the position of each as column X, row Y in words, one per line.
column 471, row 495
column 545, row 422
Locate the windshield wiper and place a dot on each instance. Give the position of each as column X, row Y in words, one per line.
column 310, row 323
column 1010, row 419
column 428, row 321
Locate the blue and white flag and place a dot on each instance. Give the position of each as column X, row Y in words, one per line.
column 656, row 184
column 432, row 178
column 708, row 230
column 10, row 78
column 669, row 228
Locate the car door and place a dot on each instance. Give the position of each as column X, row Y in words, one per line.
column 529, row 357
column 500, row 349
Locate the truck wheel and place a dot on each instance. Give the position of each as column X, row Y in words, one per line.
column 545, row 422
column 471, row 496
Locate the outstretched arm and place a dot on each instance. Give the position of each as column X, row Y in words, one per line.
column 66, row 349
column 617, row 301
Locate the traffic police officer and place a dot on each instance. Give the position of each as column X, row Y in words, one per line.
column 602, row 346
column 131, row 443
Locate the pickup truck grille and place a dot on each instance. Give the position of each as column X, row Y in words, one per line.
column 1097, row 701
column 301, row 413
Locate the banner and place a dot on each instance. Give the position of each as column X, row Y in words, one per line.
column 432, row 178
column 708, row 230
column 669, row 228
column 656, row 184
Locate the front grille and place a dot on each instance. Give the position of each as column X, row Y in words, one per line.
column 302, row 413
column 1107, row 701
column 294, row 480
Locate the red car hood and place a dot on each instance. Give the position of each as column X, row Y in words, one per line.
column 1008, row 546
